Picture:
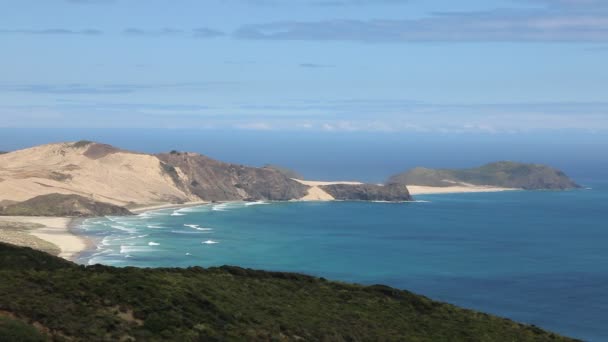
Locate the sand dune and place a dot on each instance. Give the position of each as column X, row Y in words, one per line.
column 110, row 175
column 315, row 193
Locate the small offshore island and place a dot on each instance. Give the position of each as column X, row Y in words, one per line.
column 46, row 189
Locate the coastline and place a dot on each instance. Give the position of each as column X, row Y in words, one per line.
column 63, row 233
column 139, row 210
column 459, row 189
column 55, row 230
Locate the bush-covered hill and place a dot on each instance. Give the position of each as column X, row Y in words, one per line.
column 44, row 297
column 501, row 174
column 62, row 205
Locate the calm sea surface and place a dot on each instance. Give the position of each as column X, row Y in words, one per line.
column 539, row 257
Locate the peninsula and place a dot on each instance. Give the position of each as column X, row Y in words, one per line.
column 497, row 176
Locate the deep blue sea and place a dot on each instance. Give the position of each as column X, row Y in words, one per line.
column 539, row 257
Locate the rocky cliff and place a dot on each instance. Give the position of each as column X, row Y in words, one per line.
column 368, row 192
column 106, row 174
column 213, row 180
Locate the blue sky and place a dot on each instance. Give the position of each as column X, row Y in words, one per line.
column 478, row 67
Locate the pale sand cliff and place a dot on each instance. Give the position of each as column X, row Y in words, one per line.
column 105, row 174
column 54, row 230
column 315, row 193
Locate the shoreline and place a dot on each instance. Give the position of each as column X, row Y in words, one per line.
column 460, row 189
column 63, row 232
column 55, row 230
column 139, row 210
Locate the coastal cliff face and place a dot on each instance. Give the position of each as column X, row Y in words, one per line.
column 105, row 174
column 213, row 180
column 498, row 174
column 368, row 192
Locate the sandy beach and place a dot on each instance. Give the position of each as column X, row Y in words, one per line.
column 53, row 234
column 431, row 190
column 315, row 193
column 55, row 230
column 138, row 210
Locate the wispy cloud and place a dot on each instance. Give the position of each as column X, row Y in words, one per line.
column 331, row 116
column 340, row 3
column 315, row 65
column 52, row 31
column 90, row 1
column 101, row 89
column 553, row 21
column 152, row 33
column 203, row 32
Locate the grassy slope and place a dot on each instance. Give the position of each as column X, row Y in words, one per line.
column 227, row 303
column 62, row 205
column 502, row 174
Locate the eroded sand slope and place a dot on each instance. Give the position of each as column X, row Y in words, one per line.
column 93, row 170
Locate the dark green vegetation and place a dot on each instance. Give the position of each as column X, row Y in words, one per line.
column 368, row 192
column 95, row 150
column 82, row 143
column 3, row 152
column 62, row 205
column 501, row 174
column 65, row 301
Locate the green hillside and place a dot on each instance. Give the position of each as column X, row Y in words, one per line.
column 62, row 205
column 501, row 174
column 44, row 297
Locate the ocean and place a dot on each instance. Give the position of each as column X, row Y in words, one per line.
column 538, row 257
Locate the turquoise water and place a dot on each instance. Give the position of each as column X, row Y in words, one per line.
column 536, row 257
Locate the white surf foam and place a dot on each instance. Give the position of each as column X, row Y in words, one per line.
column 256, row 203
column 209, row 242
column 153, row 226
column 126, row 249
column 152, row 243
column 186, row 232
column 124, row 229
column 197, row 227
column 220, row 207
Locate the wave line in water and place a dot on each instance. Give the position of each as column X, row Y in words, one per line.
column 256, row 203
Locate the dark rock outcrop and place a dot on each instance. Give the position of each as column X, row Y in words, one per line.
column 213, row 180
column 501, row 174
column 62, row 205
column 368, row 192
